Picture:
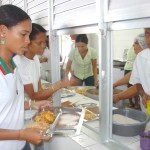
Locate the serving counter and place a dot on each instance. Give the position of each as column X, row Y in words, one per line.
column 131, row 142
column 88, row 139
column 76, row 142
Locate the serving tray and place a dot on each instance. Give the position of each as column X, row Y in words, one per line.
column 68, row 121
column 92, row 111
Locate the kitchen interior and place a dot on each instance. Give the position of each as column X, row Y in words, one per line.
column 111, row 27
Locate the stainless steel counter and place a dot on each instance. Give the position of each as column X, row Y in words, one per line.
column 87, row 139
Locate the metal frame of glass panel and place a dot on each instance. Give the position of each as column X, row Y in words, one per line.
column 105, row 65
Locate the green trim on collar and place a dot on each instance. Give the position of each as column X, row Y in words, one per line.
column 13, row 63
column 4, row 66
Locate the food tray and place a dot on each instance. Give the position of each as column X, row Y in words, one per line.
column 94, row 93
column 91, row 109
column 80, row 89
column 66, row 93
column 86, row 105
column 70, row 121
column 42, row 124
column 130, row 129
column 94, row 109
column 64, row 123
column 90, row 116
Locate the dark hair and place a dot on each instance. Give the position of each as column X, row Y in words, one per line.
column 11, row 15
column 82, row 38
column 36, row 29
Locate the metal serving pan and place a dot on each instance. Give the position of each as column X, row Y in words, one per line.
column 80, row 89
column 92, row 111
column 69, row 122
column 42, row 124
column 94, row 93
column 130, row 129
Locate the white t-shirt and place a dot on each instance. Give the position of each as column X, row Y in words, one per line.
column 11, row 108
column 141, row 71
column 29, row 71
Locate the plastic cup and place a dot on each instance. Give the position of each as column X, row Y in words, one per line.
column 145, row 140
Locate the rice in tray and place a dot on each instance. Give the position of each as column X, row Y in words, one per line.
column 120, row 119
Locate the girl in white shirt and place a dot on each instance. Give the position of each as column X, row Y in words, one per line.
column 29, row 66
column 15, row 27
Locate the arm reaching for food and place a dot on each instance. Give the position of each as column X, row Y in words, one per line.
column 145, row 97
column 130, row 92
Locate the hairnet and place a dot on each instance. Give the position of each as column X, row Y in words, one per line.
column 141, row 40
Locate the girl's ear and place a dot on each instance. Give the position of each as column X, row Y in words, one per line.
column 3, row 30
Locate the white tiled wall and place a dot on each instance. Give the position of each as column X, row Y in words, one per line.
column 122, row 40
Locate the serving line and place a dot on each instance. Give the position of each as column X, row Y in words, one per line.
column 81, row 141
column 132, row 142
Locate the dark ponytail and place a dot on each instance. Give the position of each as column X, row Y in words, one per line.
column 11, row 15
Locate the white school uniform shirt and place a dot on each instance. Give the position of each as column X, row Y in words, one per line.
column 29, row 71
column 11, row 108
column 141, row 72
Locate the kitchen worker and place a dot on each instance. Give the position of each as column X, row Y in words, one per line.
column 141, row 72
column 15, row 27
column 139, row 45
column 132, row 91
column 84, row 59
column 29, row 67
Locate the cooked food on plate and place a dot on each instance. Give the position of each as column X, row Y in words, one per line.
column 45, row 116
column 89, row 115
column 81, row 91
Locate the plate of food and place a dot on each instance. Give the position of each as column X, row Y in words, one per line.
column 92, row 111
column 80, row 89
column 58, row 120
column 45, row 119
column 89, row 116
